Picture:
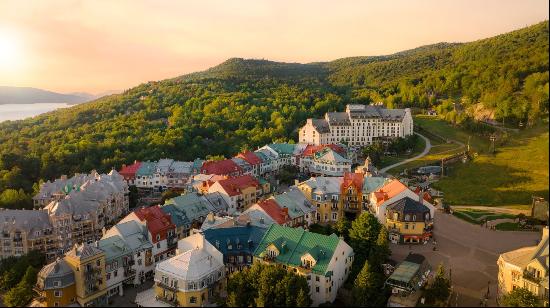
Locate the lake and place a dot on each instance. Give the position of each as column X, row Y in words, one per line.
column 22, row 111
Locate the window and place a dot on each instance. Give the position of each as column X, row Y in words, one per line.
column 317, row 289
column 192, row 300
column 158, row 237
column 57, row 293
column 98, row 262
column 158, row 245
column 316, row 278
column 57, row 283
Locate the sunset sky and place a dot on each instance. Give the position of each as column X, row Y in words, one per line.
column 96, row 46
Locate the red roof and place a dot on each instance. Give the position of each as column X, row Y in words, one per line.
column 250, row 157
column 312, row 149
column 221, row 167
column 274, row 211
column 156, row 220
column 426, row 196
column 355, row 179
column 130, row 171
column 234, row 186
column 390, row 190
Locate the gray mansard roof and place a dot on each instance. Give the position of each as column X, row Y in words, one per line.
column 58, row 270
column 356, row 112
column 321, row 125
column 25, row 221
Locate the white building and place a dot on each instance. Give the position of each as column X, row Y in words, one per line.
column 324, row 260
column 188, row 279
column 359, row 125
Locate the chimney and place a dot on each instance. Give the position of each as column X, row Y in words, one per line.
column 284, row 210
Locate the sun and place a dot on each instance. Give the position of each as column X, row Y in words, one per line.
column 10, row 53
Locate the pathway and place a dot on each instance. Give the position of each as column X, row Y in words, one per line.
column 424, row 153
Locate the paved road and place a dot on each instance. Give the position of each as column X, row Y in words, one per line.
column 426, row 150
column 471, row 252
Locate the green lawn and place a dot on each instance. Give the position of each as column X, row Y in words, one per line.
column 477, row 216
column 390, row 160
column 508, row 226
column 517, row 171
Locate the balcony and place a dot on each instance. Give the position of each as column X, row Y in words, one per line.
column 527, row 275
column 171, row 302
column 167, row 287
column 129, row 272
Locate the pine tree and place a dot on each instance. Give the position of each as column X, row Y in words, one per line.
column 367, row 289
column 303, row 299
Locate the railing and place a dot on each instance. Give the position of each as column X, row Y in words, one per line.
column 168, row 287
column 531, row 277
column 171, row 302
column 129, row 272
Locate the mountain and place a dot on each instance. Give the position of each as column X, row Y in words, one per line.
column 241, row 104
column 26, row 95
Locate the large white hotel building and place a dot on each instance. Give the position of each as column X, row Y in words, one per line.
column 360, row 125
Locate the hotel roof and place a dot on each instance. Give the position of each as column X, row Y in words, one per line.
column 221, row 167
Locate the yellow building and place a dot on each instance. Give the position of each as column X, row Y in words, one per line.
column 408, row 221
column 189, row 279
column 55, row 285
column 323, row 193
column 88, row 265
column 525, row 268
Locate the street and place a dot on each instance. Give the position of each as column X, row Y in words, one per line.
column 470, row 252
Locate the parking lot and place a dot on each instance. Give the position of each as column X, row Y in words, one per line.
column 471, row 253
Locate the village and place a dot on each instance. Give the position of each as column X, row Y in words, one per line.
column 193, row 224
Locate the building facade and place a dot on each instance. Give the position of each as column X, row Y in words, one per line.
column 324, row 260
column 359, row 125
column 408, row 221
column 526, row 268
column 191, row 278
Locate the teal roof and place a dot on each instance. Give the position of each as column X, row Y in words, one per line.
column 186, row 208
column 197, row 164
column 114, row 247
column 283, row 148
column 146, row 168
column 405, row 272
column 293, row 243
column 372, row 183
column 262, row 156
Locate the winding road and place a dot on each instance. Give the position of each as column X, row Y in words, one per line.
column 426, row 150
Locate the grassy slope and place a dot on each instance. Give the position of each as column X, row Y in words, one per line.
column 517, row 171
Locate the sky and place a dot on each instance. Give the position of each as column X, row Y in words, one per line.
column 96, row 46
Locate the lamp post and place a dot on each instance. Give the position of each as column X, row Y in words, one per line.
column 493, row 138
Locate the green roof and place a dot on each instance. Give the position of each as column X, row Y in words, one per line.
column 114, row 247
column 293, row 243
column 405, row 272
column 283, row 148
column 146, row 168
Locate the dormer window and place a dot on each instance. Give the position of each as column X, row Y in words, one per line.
column 407, row 217
column 158, row 237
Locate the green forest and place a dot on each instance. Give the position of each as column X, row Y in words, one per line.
column 241, row 104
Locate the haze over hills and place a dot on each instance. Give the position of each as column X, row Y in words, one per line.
column 28, row 95
column 242, row 104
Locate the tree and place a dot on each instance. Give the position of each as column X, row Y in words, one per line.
column 19, row 296
column 266, row 286
column 367, row 287
column 381, row 251
column 520, row 297
column 440, row 288
column 169, row 194
column 22, row 294
column 303, row 299
column 342, row 227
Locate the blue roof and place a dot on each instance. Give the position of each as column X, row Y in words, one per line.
column 248, row 236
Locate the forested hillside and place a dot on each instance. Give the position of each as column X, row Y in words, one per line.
column 246, row 103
